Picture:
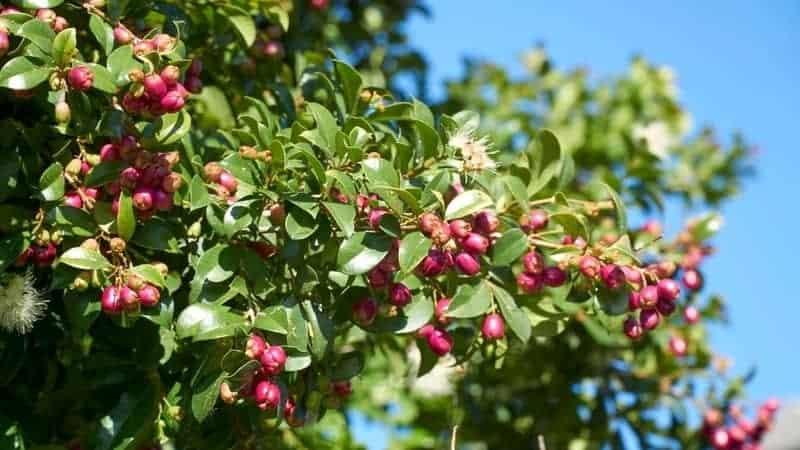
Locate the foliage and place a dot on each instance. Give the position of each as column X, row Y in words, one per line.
column 241, row 234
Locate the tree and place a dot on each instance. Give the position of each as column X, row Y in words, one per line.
column 217, row 233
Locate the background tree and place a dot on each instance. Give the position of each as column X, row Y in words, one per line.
column 216, row 231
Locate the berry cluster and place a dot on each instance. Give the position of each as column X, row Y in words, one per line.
column 536, row 274
column 56, row 22
column 736, row 432
column 42, row 252
column 225, row 183
column 458, row 243
column 159, row 93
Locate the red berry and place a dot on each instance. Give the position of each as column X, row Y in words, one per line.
column 428, row 223
column 693, row 280
column 426, row 330
column 533, row 262
column 109, row 152
column 172, row 101
column 400, row 294
column 530, row 283
column 665, row 307
column 161, row 200
column 668, row 289
column 613, row 276
column 364, row 311
column 80, row 78
column 377, row 278
column 632, row 328
column 342, row 389
column 110, row 301
column 554, row 276
column 149, row 295
column 319, row 4
column 255, row 346
column 467, row 264
column 486, row 222
column 440, row 342
column 649, row 318
column 155, row 86
column 649, row 296
column 475, row 243
column 634, row 301
column 143, row 198
column 440, row 310
column 589, row 266
column 493, row 327
column 460, row 228
column 273, row 359
column 273, row 49
column 267, row 395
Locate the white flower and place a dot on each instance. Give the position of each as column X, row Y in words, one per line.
column 21, row 304
column 474, row 150
column 657, row 136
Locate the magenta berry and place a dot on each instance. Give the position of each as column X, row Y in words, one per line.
column 668, row 289
column 467, row 264
column 649, row 318
column 122, row 36
column 486, row 222
column 533, row 262
column 440, row 342
column 255, row 346
column 425, row 331
column 691, row 315
column 161, row 200
column 364, row 311
column 110, row 301
column 677, row 346
column 342, row 389
column 73, row 199
column 459, row 228
column 155, row 86
column 172, row 101
column 589, row 266
column 613, row 276
column 530, row 283
column 377, row 278
column 475, row 243
column 666, row 307
column 273, row 49
column 693, row 280
column 434, row 264
column 109, row 152
column 720, row 439
column 228, row 181
column 493, row 327
column 194, row 85
column 267, row 395
column 80, row 78
column 632, row 328
column 149, row 295
column 634, row 301
column 128, row 296
column 400, row 294
column 4, row 43
column 536, row 220
column 428, row 223
column 441, row 235
column 143, row 198
column 273, row 358
column 649, row 296
column 554, row 276
column 440, row 310
column 129, row 177
column 374, row 217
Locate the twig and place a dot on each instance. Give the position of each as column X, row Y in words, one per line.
column 540, row 438
column 453, row 438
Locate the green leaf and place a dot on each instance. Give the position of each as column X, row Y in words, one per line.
column 300, row 224
column 36, row 4
column 471, row 301
column 168, row 129
column 217, row 264
column 73, row 221
column 103, row 33
column 511, row 245
column 64, row 46
column 297, row 337
column 414, row 316
column 206, row 321
column 706, row 226
column 243, row 22
column 466, row 203
column 39, row 33
column 518, row 190
column 236, row 218
column 351, row 83
column 619, row 207
column 103, row 79
column 344, row 215
column 117, row 8
column 198, row 193
column 11, row 246
column 516, row 318
column 21, row 73
column 413, row 249
column 149, row 273
column 120, row 62
column 156, row 234
column 274, row 319
column 361, row 252
column 126, row 220
column 380, row 172
column 51, row 182
column 205, row 393
column 545, row 160
column 131, row 420
column 104, row 172
column 326, row 128
column 347, row 366
column 85, row 259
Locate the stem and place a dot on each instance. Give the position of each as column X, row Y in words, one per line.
column 453, row 437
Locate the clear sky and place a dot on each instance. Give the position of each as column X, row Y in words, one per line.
column 737, row 62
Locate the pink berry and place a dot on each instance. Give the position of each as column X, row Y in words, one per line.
column 634, row 301
column 691, row 315
column 632, row 328
column 536, row 220
column 693, row 280
column 459, row 228
column 400, row 294
column 149, row 295
column 649, row 318
column 486, row 222
column 161, row 200
column 613, row 276
column 122, row 36
column 554, row 276
column 227, row 180
column 375, row 217
column 533, row 262
column 467, row 264
column 364, row 311
column 273, row 359
column 677, row 345
column 110, row 301
column 267, row 395
column 377, row 278
column 668, row 289
column 530, row 283
column 589, row 266
column 475, row 243
column 425, row 331
column 665, row 307
column 428, row 223
column 172, row 101
column 80, row 78
column 4, row 43
column 319, row 5
column 73, row 199
column 170, row 74
column 772, row 405
column 720, row 439
column 255, row 346
column 440, row 342
column 109, row 152
column 493, row 327
column 440, row 310
column 649, row 296
column 273, row 49
column 143, row 198
column 652, row 227
column 155, row 86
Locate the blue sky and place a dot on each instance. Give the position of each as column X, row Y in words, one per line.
column 737, row 63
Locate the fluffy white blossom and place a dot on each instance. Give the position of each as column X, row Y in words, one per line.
column 474, row 151
column 21, row 304
column 657, row 137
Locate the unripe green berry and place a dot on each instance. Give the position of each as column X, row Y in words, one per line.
column 62, row 112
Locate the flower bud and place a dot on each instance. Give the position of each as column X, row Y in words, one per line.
column 364, row 311
column 273, row 358
column 459, row 228
column 493, row 327
column 486, row 222
column 74, row 167
column 475, row 243
column 693, row 280
column 80, row 78
column 400, row 295
column 632, row 329
column 440, row 342
column 110, row 301
column 668, row 289
column 554, row 276
column 149, row 295
column 81, row 281
column 62, row 112
column 267, row 395
column 529, row 283
column 533, row 262
column 90, row 244
column 613, row 276
column 163, row 42
column 467, row 264
column 649, row 318
column 441, row 235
